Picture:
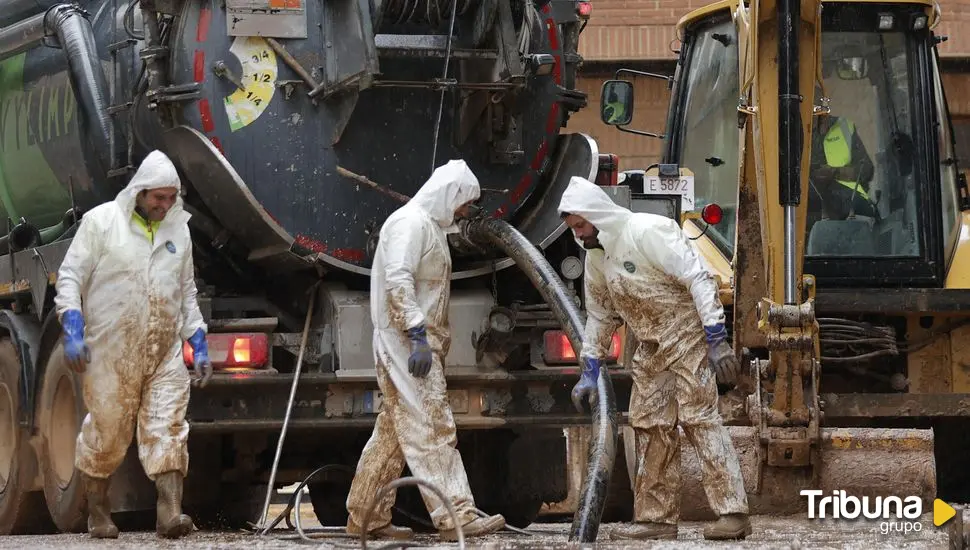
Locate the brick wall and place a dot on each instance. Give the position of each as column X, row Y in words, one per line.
column 624, row 30
column 650, row 101
column 650, row 110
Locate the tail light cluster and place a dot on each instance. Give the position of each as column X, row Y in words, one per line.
column 233, row 351
column 559, row 351
column 608, row 170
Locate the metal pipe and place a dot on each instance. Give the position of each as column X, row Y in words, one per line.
column 292, row 62
column 602, row 451
column 76, row 37
column 289, row 406
column 20, row 37
column 790, row 286
column 790, row 131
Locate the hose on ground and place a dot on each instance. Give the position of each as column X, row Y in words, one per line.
column 411, row 481
column 302, row 536
column 297, row 499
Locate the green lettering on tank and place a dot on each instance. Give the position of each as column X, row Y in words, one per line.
column 29, row 187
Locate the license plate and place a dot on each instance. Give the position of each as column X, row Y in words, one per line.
column 681, row 185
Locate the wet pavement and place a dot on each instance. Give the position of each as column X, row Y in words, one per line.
column 795, row 533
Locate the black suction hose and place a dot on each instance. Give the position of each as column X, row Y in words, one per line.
column 602, row 451
column 76, row 37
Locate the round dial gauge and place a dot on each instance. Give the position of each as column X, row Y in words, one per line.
column 571, row 267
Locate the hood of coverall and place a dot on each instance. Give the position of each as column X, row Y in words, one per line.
column 449, row 187
column 584, row 198
column 155, row 172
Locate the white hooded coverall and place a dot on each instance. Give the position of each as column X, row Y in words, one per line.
column 411, row 286
column 138, row 298
column 649, row 275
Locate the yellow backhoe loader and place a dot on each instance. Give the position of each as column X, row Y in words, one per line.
column 814, row 138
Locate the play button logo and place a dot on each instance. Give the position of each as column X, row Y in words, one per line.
column 942, row 512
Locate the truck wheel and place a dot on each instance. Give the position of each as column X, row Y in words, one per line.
column 21, row 511
column 329, row 503
column 62, row 411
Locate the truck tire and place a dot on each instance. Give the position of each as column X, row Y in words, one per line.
column 329, row 500
column 21, row 511
column 62, row 410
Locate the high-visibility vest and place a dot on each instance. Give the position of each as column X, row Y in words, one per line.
column 618, row 111
column 838, row 151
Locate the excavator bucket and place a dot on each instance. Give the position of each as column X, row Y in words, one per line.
column 863, row 462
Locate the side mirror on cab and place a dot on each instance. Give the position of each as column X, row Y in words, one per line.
column 616, row 102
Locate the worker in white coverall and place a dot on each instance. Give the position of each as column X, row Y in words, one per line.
column 409, row 294
column 641, row 268
column 126, row 299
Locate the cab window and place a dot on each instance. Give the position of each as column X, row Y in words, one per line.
column 709, row 132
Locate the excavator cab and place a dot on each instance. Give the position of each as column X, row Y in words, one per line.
column 821, row 131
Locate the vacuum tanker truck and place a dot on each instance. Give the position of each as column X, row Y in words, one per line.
column 297, row 128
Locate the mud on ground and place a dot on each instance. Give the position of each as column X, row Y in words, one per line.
column 775, row 533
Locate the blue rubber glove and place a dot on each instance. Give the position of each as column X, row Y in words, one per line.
column 76, row 352
column 586, row 387
column 725, row 363
column 419, row 363
column 200, row 359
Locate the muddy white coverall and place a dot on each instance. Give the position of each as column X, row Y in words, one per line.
column 410, row 287
column 138, row 298
column 649, row 275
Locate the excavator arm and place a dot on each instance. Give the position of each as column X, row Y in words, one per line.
column 779, row 67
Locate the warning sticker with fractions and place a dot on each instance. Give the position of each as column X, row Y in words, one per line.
column 259, row 71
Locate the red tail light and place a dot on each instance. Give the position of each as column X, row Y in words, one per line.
column 712, row 214
column 241, row 351
column 584, row 9
column 608, row 170
column 559, row 351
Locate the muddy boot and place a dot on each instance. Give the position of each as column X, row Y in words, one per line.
column 476, row 528
column 729, row 527
column 100, row 525
column 389, row 531
column 171, row 522
column 645, row 531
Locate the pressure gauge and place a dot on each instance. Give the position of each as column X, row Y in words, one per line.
column 571, row 267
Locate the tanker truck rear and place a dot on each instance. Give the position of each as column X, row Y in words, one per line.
column 297, row 127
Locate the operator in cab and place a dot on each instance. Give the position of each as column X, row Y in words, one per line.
column 642, row 270
column 841, row 169
column 614, row 111
column 126, row 299
column 409, row 296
